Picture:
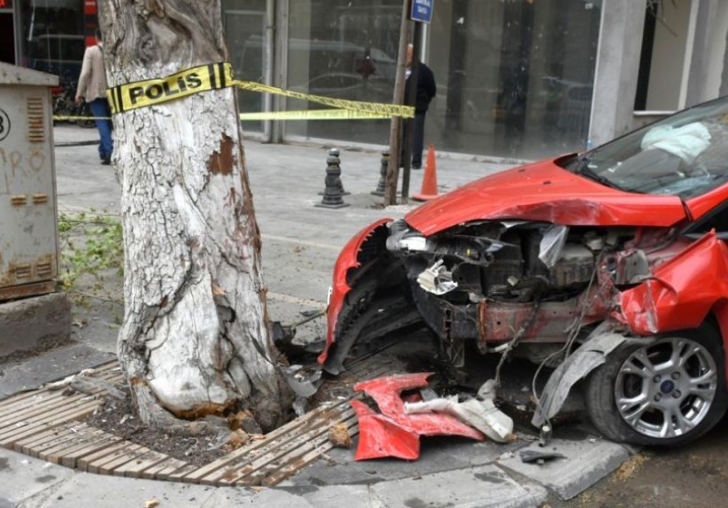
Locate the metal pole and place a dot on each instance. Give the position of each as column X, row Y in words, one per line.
column 412, row 99
column 268, row 65
column 390, row 193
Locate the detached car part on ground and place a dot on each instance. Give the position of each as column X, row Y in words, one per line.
column 610, row 266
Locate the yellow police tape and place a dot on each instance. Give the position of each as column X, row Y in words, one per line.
column 313, row 114
column 145, row 93
column 73, row 118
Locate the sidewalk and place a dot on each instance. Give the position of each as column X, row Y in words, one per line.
column 300, row 245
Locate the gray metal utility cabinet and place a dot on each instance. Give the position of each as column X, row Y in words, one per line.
column 28, row 211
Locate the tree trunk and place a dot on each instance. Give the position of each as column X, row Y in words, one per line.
column 195, row 339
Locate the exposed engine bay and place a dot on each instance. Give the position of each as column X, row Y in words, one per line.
column 538, row 284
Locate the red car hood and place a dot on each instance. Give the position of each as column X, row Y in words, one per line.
column 543, row 191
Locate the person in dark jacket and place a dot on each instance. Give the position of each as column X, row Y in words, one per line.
column 426, row 90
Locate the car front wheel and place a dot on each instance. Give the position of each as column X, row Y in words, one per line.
column 667, row 392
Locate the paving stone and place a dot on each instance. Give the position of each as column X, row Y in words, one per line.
column 51, row 366
column 228, row 497
column 22, row 477
column 265, row 498
column 438, row 454
column 586, row 462
column 479, row 487
column 355, row 496
column 34, row 323
column 90, row 490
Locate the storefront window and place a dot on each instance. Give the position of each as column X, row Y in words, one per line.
column 347, row 50
column 53, row 37
column 514, row 77
column 245, row 22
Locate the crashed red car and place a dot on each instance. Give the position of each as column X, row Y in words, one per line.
column 609, row 267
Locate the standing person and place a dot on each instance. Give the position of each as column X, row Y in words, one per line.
column 426, row 90
column 92, row 88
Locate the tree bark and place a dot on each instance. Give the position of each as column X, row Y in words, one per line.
column 195, row 339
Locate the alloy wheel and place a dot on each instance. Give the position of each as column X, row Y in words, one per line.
column 666, row 389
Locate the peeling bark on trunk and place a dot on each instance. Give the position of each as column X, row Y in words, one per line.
column 195, row 339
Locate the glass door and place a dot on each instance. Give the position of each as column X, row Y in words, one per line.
column 246, row 40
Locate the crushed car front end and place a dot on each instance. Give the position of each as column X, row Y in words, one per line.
column 490, row 281
column 608, row 267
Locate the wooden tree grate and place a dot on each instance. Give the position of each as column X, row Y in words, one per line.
column 49, row 425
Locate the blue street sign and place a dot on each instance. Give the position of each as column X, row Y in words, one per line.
column 422, row 10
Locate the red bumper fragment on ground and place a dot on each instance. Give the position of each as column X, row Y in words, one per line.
column 393, row 433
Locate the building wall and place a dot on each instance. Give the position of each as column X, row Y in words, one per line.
column 717, row 50
column 668, row 57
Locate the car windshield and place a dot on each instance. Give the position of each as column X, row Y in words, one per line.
column 684, row 155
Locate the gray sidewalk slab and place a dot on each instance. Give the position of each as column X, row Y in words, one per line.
column 242, row 498
column 84, row 489
column 22, row 477
column 479, row 487
column 437, row 455
column 31, row 373
column 587, row 461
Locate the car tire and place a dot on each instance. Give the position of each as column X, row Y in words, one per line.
column 642, row 395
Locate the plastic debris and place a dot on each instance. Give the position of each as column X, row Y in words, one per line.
column 539, row 457
column 480, row 413
column 393, row 433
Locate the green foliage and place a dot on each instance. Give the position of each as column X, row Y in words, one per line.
column 92, row 245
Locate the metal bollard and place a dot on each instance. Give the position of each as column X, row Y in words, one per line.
column 335, row 153
column 333, row 190
column 383, row 172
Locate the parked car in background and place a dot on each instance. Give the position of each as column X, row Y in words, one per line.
column 610, row 268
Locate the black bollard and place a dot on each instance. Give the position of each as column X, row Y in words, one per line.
column 335, row 153
column 333, row 190
column 383, row 172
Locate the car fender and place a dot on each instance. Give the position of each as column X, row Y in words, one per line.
column 681, row 292
column 348, row 258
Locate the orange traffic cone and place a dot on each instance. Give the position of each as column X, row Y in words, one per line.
column 429, row 182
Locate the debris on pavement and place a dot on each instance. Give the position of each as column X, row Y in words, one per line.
column 283, row 335
column 84, row 382
column 339, row 436
column 63, row 383
column 539, row 457
column 304, row 382
column 393, row 432
column 479, row 412
column 237, row 439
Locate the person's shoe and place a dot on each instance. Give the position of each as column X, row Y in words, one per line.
column 106, row 161
column 416, row 166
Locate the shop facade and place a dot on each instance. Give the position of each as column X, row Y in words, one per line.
column 517, row 79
